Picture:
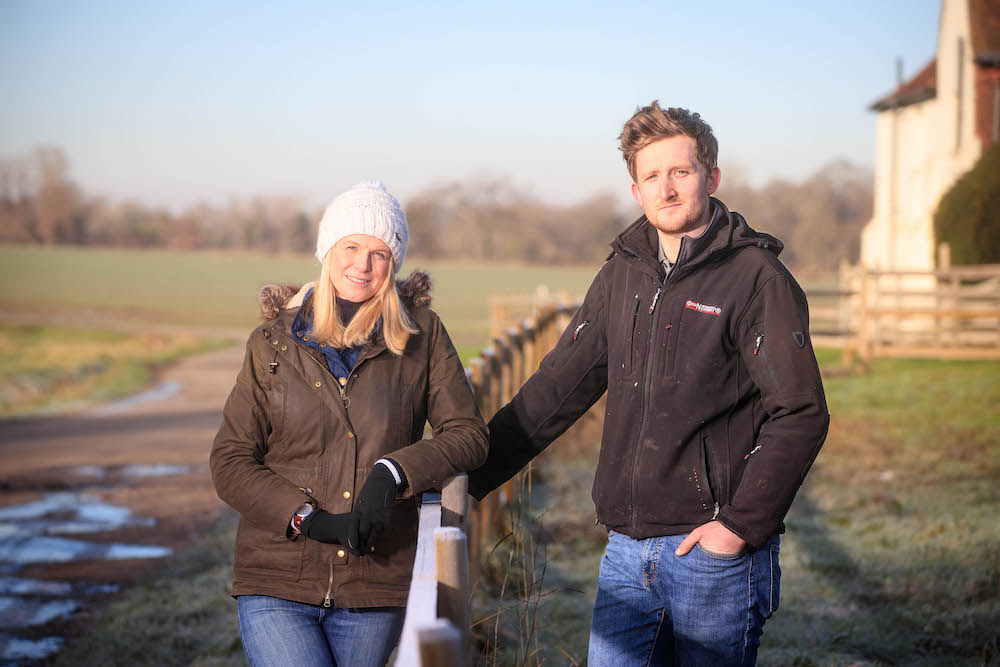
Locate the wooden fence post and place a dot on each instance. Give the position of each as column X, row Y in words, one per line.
column 451, row 556
column 455, row 502
column 864, row 333
column 440, row 645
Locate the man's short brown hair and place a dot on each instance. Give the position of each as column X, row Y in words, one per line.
column 649, row 124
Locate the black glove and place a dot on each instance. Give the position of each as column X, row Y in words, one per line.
column 340, row 529
column 374, row 506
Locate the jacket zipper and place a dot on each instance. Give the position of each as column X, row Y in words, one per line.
column 580, row 328
column 343, row 390
column 767, row 362
column 329, row 587
column 650, row 349
column 656, row 297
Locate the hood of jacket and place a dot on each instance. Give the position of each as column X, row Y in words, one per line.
column 414, row 292
column 727, row 232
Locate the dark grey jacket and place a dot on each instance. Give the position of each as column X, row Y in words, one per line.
column 715, row 404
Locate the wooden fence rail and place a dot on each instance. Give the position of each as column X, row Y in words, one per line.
column 435, row 631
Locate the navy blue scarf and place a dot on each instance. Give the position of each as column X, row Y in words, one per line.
column 339, row 361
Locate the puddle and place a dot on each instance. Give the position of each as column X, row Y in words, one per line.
column 35, row 533
column 158, row 393
column 133, row 471
column 15, row 586
column 89, row 514
column 31, row 550
column 15, row 648
column 21, row 613
column 154, row 470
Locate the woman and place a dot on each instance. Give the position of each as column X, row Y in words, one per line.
column 320, row 448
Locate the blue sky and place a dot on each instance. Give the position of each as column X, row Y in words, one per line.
column 175, row 102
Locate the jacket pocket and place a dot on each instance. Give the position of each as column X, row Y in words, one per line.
column 708, row 487
column 670, row 331
column 265, row 553
column 627, row 362
column 276, row 408
column 760, row 353
column 271, row 553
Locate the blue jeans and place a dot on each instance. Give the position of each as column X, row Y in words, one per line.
column 281, row 632
column 655, row 608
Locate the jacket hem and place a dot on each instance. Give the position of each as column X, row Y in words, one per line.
column 312, row 598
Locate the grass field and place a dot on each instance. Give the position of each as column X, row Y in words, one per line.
column 218, row 291
column 46, row 369
column 166, row 301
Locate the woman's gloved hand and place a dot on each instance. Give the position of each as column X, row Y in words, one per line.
column 374, row 506
column 340, row 529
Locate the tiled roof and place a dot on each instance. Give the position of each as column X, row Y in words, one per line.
column 923, row 86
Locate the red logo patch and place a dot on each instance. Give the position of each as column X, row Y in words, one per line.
column 703, row 308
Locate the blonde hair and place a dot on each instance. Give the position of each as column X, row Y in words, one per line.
column 649, row 124
column 397, row 325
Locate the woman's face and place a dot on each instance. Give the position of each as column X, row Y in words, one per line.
column 359, row 266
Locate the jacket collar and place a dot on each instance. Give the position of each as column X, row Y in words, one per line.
column 638, row 243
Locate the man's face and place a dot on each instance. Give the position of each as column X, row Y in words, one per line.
column 672, row 186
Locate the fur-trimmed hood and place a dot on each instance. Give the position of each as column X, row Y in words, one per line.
column 414, row 291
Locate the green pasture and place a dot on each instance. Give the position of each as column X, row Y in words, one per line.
column 217, row 291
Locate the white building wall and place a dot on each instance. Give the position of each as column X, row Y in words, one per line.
column 920, row 150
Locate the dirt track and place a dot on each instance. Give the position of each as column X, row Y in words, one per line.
column 91, row 452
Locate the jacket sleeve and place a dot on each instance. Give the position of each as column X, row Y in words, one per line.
column 459, row 439
column 773, row 337
column 241, row 479
column 570, row 379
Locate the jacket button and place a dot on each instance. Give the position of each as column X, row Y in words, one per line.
column 350, row 435
column 319, row 384
column 284, row 347
column 343, row 382
column 340, row 553
column 347, row 494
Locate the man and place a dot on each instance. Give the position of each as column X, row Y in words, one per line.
column 715, row 410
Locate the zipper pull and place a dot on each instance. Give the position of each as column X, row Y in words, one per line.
column 756, row 348
column 329, row 588
column 580, row 328
column 716, row 511
column 655, row 299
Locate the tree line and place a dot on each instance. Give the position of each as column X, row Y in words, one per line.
column 819, row 219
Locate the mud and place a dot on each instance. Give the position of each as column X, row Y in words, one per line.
column 91, row 501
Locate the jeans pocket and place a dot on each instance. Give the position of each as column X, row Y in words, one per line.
column 717, row 556
column 767, row 579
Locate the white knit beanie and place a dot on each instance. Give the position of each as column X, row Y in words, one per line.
column 367, row 208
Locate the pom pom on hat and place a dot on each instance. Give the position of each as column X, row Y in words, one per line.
column 366, row 208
